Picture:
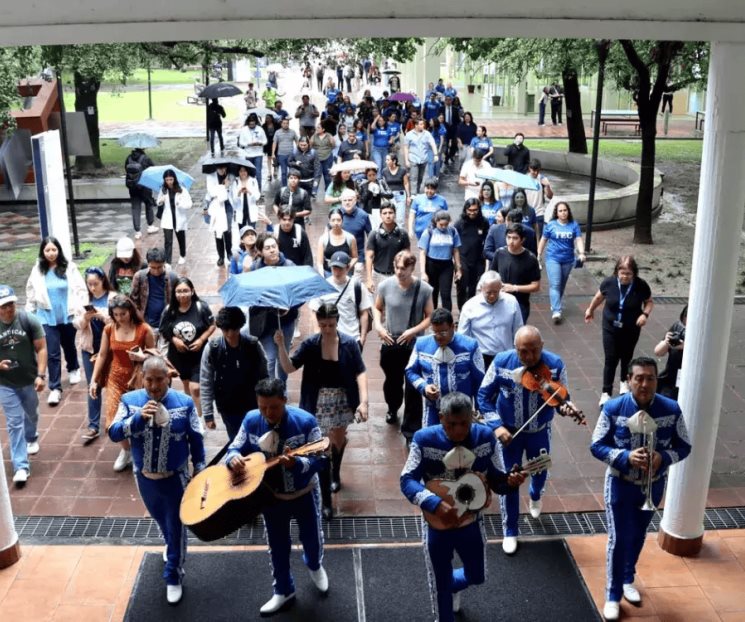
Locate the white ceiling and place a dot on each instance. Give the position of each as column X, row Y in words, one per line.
column 87, row 21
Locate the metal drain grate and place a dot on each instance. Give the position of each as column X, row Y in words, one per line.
column 358, row 529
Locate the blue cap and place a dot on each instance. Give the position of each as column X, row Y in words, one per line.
column 8, row 295
column 340, row 260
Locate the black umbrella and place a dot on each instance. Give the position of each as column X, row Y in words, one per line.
column 392, row 72
column 210, row 165
column 220, row 89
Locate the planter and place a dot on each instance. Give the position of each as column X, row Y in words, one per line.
column 471, row 88
column 478, row 87
column 496, row 100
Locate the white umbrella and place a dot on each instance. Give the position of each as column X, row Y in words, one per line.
column 353, row 165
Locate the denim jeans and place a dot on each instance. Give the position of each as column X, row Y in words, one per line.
column 94, row 406
column 378, row 156
column 257, row 162
column 272, row 354
column 283, row 165
column 21, row 407
column 326, row 170
column 399, row 198
column 558, row 275
column 60, row 338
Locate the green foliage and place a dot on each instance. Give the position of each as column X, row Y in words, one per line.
column 113, row 61
column 15, row 64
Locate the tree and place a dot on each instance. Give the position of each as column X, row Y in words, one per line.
column 15, row 64
column 548, row 59
column 648, row 69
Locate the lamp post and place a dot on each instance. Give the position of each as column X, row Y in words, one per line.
column 602, row 47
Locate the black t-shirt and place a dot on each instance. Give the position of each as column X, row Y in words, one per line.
column 519, row 269
column 385, row 246
column 668, row 378
column 188, row 327
column 347, row 150
column 632, row 305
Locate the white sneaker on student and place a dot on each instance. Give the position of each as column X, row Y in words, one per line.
column 181, row 261
column 624, row 388
column 32, row 448
column 20, row 477
column 138, row 235
column 74, row 376
column 55, row 395
column 152, row 229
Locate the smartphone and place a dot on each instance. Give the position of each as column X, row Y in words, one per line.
column 13, row 364
column 89, row 308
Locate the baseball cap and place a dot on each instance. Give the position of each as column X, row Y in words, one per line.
column 8, row 295
column 340, row 259
column 124, row 248
column 245, row 230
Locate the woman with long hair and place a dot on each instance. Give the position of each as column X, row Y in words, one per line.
column 335, row 239
column 473, row 227
column 175, row 202
column 561, row 240
column 244, row 193
column 439, row 249
column 397, row 179
column 124, row 265
column 323, row 144
column 123, row 342
column 186, row 324
column 252, row 140
column 341, row 181
column 333, row 388
column 54, row 291
column 270, row 128
column 89, row 321
column 465, row 132
column 490, row 205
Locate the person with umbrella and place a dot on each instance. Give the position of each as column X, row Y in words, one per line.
column 175, row 202
column 215, row 115
column 220, row 211
column 134, row 165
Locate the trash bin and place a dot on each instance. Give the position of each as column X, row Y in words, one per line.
column 496, row 100
column 529, row 103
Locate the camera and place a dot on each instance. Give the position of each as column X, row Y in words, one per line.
column 676, row 338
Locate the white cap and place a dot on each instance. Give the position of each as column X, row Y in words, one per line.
column 124, row 248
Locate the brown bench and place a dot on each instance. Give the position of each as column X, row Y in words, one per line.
column 609, row 122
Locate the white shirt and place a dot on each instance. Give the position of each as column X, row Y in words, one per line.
column 492, row 326
column 248, row 136
column 349, row 321
column 468, row 172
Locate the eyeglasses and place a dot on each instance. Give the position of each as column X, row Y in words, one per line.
column 441, row 333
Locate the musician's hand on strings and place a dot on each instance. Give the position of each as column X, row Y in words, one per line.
column 237, row 464
column 515, row 479
column 287, row 460
column 447, row 513
column 503, row 435
column 431, row 392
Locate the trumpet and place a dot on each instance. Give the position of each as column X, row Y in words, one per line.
column 649, row 445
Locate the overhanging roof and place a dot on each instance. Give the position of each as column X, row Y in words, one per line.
column 97, row 21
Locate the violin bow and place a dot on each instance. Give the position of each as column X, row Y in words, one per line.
column 537, row 412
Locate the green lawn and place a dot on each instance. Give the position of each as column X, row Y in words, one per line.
column 169, row 105
column 181, row 152
column 157, row 77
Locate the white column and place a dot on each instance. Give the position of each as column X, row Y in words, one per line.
column 716, row 248
column 10, row 550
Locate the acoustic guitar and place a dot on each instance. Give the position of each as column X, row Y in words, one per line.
column 219, row 501
column 470, row 493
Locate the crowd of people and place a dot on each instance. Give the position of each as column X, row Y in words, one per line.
column 140, row 325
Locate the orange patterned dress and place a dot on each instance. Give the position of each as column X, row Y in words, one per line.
column 121, row 368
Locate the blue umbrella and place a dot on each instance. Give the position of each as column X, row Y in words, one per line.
column 152, row 177
column 279, row 287
column 519, row 180
column 138, row 140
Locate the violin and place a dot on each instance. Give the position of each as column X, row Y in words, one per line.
column 538, row 379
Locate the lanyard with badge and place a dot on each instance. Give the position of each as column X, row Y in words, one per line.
column 621, row 299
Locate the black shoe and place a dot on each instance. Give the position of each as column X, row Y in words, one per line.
column 391, row 417
column 221, row 262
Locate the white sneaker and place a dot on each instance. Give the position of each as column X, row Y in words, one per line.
column 138, row 235
column 181, row 261
column 556, row 317
column 74, row 376
column 612, row 610
column 55, row 395
column 174, row 593
column 123, row 460
column 509, row 545
column 603, row 399
column 456, row 601
column 275, row 603
column 631, row 594
column 32, row 448
column 320, row 579
column 152, row 229
column 624, row 388
column 20, row 477
column 536, row 507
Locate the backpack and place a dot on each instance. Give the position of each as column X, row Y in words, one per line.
column 133, row 169
column 25, row 324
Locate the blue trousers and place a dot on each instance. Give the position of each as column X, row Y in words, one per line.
column 306, row 511
column 558, row 275
column 326, row 170
column 529, row 445
column 627, row 529
column 60, row 338
column 439, row 545
column 94, row 406
column 21, row 407
column 162, row 498
column 283, row 166
column 257, row 162
column 378, row 156
column 272, row 354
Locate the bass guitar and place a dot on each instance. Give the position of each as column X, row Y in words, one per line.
column 470, row 493
column 219, row 501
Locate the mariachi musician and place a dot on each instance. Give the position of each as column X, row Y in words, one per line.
column 273, row 429
column 456, row 450
column 507, row 405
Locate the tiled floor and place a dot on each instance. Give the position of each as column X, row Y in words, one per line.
column 93, row 583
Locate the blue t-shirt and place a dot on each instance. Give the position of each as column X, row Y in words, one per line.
column 331, row 95
column 481, row 143
column 439, row 244
column 423, row 208
column 560, row 246
column 439, row 134
column 490, row 211
column 431, row 110
column 57, row 290
column 156, row 299
column 530, row 219
column 361, row 136
column 358, row 224
column 380, row 137
column 394, row 128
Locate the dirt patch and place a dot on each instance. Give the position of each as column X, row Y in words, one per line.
column 666, row 264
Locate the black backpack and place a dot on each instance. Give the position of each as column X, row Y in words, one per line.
column 133, row 169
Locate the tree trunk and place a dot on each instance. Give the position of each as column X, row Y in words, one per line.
column 86, row 101
column 575, row 124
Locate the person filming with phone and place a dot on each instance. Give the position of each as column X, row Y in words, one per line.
column 668, row 382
